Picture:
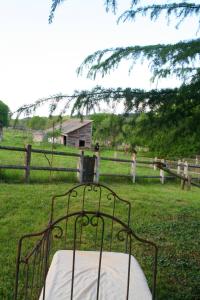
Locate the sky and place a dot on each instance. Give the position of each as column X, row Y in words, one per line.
column 38, row 59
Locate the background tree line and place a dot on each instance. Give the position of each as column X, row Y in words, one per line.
column 166, row 120
column 4, row 114
column 144, row 130
column 134, row 130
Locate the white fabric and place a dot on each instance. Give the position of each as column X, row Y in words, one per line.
column 113, row 280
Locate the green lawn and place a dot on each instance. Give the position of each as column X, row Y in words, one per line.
column 21, row 139
column 164, row 214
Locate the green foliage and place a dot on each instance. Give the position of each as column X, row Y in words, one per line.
column 109, row 4
column 165, row 60
column 97, row 133
column 181, row 59
column 171, row 141
column 53, row 134
column 37, row 123
column 110, row 130
column 20, row 123
column 54, row 5
column 165, row 118
column 168, row 139
column 169, row 126
column 4, row 113
column 179, row 10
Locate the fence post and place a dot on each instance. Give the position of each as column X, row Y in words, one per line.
column 27, row 163
column 155, row 165
column 96, row 167
column 162, row 173
column 189, row 182
column 133, row 167
column 185, row 175
column 185, row 171
column 80, row 167
column 115, row 154
column 179, row 167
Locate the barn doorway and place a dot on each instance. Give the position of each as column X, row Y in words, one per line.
column 81, row 143
column 64, row 140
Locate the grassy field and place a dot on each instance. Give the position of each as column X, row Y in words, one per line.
column 21, row 139
column 164, row 214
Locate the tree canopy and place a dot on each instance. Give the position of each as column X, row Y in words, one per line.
column 172, row 114
column 181, row 59
column 4, row 113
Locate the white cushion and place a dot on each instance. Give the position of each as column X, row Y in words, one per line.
column 113, row 280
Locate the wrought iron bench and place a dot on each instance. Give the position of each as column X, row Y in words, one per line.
column 85, row 254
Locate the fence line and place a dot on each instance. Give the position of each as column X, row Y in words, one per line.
column 40, row 151
column 183, row 169
column 28, row 150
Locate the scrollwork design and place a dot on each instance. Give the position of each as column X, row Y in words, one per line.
column 94, row 221
column 84, row 219
column 60, row 232
column 95, row 188
column 111, row 197
column 122, row 234
column 92, row 188
column 74, row 194
column 89, row 187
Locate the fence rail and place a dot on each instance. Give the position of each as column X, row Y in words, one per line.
column 179, row 169
column 28, row 150
column 39, row 151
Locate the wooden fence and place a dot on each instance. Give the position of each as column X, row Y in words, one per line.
column 28, row 150
column 134, row 164
column 184, row 167
column 89, row 168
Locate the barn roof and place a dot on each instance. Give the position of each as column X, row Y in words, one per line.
column 71, row 125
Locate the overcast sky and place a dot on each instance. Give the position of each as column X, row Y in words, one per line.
column 38, row 59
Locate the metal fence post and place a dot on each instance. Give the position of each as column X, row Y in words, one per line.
column 27, row 163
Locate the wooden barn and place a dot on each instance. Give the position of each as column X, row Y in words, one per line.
column 75, row 133
column 38, row 136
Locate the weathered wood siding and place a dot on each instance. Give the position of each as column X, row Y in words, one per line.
column 84, row 134
column 38, row 136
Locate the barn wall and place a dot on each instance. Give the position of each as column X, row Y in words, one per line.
column 84, row 133
column 38, row 137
